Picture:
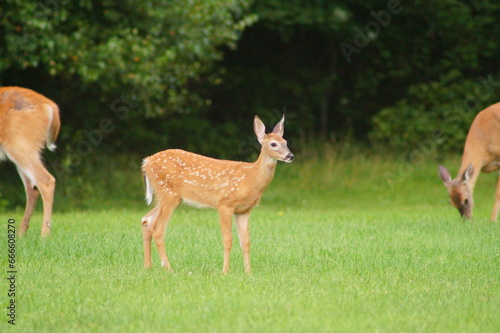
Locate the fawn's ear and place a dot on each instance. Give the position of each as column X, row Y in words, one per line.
column 445, row 175
column 259, row 128
column 280, row 127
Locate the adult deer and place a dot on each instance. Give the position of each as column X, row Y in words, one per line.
column 481, row 152
column 233, row 188
column 28, row 122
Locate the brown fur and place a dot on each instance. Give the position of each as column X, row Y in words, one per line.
column 28, row 122
column 481, row 153
column 233, row 188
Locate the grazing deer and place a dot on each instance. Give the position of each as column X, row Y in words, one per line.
column 481, row 153
column 28, row 122
column 233, row 188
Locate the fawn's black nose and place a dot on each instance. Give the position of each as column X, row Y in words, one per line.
column 289, row 157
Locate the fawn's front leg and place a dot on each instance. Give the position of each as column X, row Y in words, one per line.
column 226, row 223
column 242, row 225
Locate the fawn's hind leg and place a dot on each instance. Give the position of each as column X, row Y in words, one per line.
column 153, row 226
column 147, row 221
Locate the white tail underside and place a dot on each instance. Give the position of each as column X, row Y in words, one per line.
column 149, row 190
column 50, row 145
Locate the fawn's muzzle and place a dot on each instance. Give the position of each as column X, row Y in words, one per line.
column 289, row 158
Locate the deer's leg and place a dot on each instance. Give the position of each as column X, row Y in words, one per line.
column 226, row 223
column 242, row 225
column 46, row 184
column 34, row 174
column 32, row 195
column 147, row 234
column 158, row 230
column 496, row 206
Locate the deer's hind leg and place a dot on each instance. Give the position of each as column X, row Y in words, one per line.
column 153, row 226
column 46, row 184
column 147, row 234
column 37, row 181
column 32, row 195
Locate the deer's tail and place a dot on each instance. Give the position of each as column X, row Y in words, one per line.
column 54, row 126
column 147, row 183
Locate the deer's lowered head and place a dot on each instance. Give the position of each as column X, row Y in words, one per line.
column 460, row 190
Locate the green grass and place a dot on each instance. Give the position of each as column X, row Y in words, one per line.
column 337, row 246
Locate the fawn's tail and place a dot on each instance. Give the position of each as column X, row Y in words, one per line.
column 147, row 183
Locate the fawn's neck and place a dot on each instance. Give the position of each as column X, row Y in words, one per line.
column 263, row 170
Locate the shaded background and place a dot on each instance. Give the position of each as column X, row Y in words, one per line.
column 132, row 78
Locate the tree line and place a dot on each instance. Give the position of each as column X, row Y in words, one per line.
column 137, row 77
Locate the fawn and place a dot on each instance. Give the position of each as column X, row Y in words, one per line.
column 233, row 188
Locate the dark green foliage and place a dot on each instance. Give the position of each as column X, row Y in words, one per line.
column 124, row 62
column 132, row 78
column 331, row 66
column 335, row 65
column 148, row 48
column 438, row 113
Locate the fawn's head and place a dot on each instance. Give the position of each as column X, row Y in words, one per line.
column 460, row 190
column 273, row 143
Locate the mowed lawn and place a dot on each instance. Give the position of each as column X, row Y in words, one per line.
column 361, row 245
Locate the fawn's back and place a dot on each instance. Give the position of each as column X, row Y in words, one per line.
column 203, row 181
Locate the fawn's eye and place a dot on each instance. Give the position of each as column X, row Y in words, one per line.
column 274, row 144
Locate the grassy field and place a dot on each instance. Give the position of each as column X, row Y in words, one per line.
column 339, row 244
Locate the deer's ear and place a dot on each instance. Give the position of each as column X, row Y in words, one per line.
column 280, row 127
column 468, row 173
column 445, row 175
column 259, row 128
